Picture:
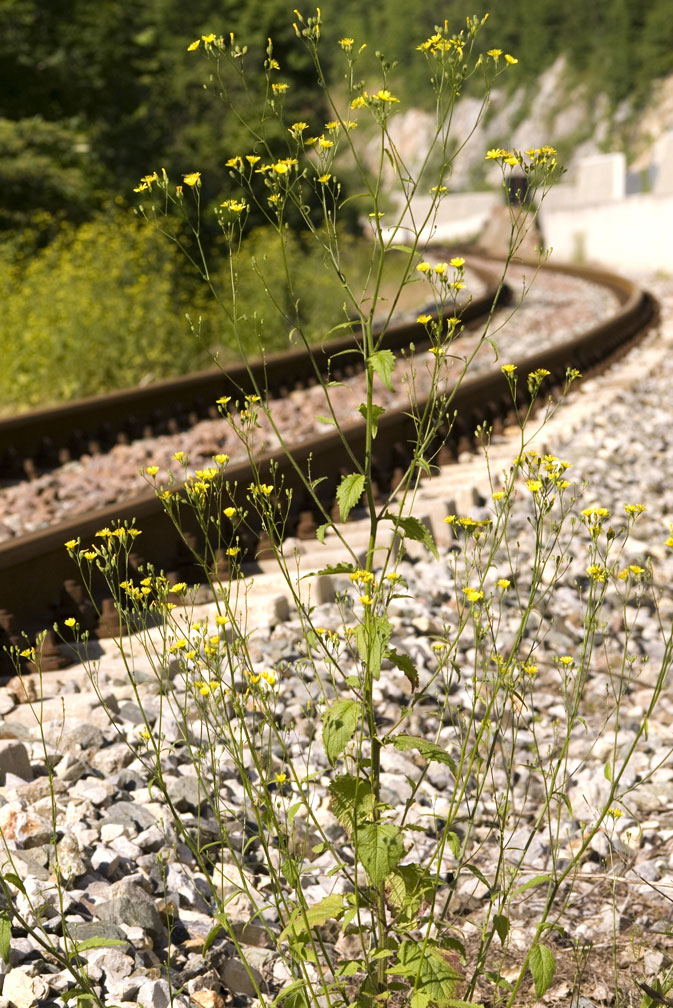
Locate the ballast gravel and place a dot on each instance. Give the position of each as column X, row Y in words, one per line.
column 128, row 871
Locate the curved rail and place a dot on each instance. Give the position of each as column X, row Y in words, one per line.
column 39, row 583
column 45, row 438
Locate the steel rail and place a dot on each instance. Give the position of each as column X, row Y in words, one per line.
column 39, row 582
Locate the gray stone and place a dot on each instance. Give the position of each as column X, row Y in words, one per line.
column 112, row 758
column 14, row 760
column 154, row 994
column 105, row 860
column 186, row 793
column 235, row 977
column 128, row 813
column 134, row 908
column 97, row 929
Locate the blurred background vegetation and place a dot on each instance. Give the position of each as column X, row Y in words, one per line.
column 93, row 96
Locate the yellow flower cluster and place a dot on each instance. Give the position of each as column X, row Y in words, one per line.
column 469, row 525
column 208, row 40
column 632, row 570
column 546, row 470
column 473, row 594
column 495, row 55
column 538, row 157
column 234, row 206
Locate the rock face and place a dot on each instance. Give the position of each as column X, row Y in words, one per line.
column 129, row 876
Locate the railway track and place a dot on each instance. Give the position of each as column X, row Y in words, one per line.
column 39, row 582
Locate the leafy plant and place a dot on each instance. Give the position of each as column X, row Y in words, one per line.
column 397, row 899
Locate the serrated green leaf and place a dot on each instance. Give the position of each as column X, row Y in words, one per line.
column 380, row 848
column 351, row 800
column 5, row 938
column 453, row 840
column 340, row 568
column 383, row 362
column 542, row 965
column 98, row 942
column 338, row 727
column 436, row 977
column 349, row 493
column 290, row 872
column 535, row 881
column 408, row 887
column 501, row 925
column 430, row 751
column 371, row 415
column 316, row 915
column 414, row 529
column 404, row 663
column 457, row 1003
column 350, row 968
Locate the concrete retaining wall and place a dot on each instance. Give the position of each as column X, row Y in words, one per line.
column 632, row 233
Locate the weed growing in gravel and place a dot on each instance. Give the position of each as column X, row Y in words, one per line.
column 393, row 821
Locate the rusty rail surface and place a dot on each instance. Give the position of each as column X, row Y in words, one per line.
column 39, row 583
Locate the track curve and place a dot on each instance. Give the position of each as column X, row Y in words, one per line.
column 39, row 582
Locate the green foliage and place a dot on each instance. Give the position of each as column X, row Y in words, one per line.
column 349, row 493
column 94, row 310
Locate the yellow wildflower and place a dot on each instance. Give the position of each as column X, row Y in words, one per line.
column 152, row 470
column 192, row 179
column 424, row 319
column 323, row 179
column 385, row 96
column 510, row 59
column 70, row 621
column 508, row 368
column 473, row 595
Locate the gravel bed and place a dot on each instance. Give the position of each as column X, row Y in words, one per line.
column 557, row 306
column 113, row 832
